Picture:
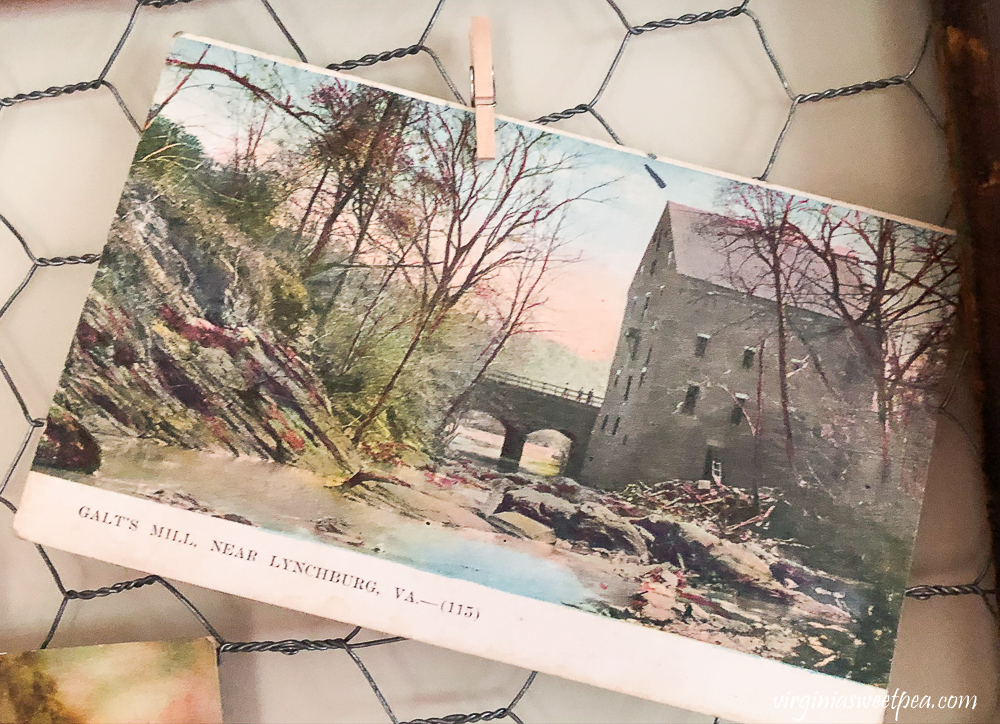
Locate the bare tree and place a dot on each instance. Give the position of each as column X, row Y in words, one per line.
column 892, row 286
column 755, row 237
column 479, row 219
column 515, row 307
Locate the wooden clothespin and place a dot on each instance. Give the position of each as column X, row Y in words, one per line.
column 483, row 86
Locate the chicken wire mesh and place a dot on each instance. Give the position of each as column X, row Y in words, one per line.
column 630, row 30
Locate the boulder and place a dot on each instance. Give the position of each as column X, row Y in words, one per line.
column 598, row 526
column 545, row 508
column 672, row 537
column 732, row 611
column 810, row 608
column 741, row 563
column 68, row 445
column 677, row 540
column 804, row 577
column 589, row 522
column 522, row 526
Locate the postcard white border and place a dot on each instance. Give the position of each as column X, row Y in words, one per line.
column 547, row 637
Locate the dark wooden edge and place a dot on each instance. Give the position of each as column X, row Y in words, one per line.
column 968, row 54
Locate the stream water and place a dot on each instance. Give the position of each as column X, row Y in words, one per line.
column 290, row 500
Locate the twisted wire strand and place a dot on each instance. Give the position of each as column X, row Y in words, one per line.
column 163, row 3
column 373, row 58
column 348, row 643
column 418, row 47
column 506, row 712
column 463, row 718
column 68, row 260
column 120, row 587
column 988, row 596
column 690, row 19
column 50, row 92
column 295, row 646
column 925, row 592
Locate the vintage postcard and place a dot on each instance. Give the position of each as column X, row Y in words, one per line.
column 577, row 409
column 156, row 682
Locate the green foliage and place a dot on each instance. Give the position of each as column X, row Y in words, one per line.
column 289, row 303
column 167, row 150
column 248, row 197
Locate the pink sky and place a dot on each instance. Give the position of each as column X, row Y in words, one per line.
column 585, row 308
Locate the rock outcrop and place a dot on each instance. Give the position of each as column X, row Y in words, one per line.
column 588, row 522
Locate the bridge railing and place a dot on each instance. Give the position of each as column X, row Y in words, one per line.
column 585, row 397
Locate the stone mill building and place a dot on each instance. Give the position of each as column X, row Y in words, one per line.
column 693, row 391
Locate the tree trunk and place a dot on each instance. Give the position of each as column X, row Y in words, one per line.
column 357, row 179
column 759, row 425
column 458, row 404
column 312, row 201
column 383, row 397
column 786, row 417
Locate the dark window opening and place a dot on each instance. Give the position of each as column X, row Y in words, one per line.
column 736, row 417
column 604, row 422
column 618, row 374
column 713, row 466
column 633, row 336
column 649, row 355
column 701, row 344
column 614, row 428
column 642, row 376
column 657, row 243
column 628, row 388
column 645, row 308
column 690, row 399
column 652, row 267
column 748, row 354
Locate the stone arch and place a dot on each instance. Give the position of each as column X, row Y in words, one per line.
column 547, row 451
column 524, row 407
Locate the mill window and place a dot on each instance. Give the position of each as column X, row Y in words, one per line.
column 642, row 376
column 652, row 267
column 633, row 336
column 645, row 308
column 649, row 355
column 737, row 414
column 614, row 428
column 748, row 355
column 618, row 374
column 713, row 465
column 604, row 423
column 690, row 399
column 701, row 344
column 628, row 388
